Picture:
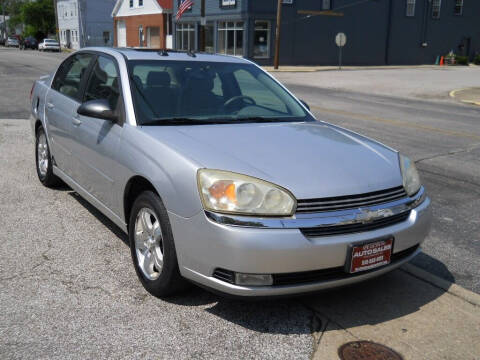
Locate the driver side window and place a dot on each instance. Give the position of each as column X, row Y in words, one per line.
column 104, row 82
column 70, row 75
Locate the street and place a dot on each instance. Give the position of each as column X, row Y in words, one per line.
column 69, row 288
column 443, row 137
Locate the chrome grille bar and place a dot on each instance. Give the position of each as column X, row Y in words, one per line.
column 349, row 202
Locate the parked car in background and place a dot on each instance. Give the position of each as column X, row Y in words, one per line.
column 221, row 176
column 12, row 42
column 3, row 41
column 30, row 43
column 49, row 45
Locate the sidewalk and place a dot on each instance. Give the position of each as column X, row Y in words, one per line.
column 407, row 310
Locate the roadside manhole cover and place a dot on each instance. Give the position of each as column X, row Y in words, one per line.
column 366, row 350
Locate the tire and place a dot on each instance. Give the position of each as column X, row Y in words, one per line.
column 43, row 160
column 152, row 247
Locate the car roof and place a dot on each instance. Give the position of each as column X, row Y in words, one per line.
column 168, row 54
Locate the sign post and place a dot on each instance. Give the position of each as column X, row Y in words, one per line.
column 340, row 40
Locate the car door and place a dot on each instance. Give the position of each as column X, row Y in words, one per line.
column 97, row 141
column 61, row 104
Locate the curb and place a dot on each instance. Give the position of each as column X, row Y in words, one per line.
column 449, row 287
column 293, row 68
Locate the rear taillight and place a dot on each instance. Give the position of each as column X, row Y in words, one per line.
column 31, row 91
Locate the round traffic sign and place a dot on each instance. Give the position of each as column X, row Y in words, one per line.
column 341, row 39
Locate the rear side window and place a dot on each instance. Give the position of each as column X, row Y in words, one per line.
column 70, row 75
column 104, row 82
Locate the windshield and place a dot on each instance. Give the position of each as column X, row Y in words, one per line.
column 176, row 92
column 50, row 41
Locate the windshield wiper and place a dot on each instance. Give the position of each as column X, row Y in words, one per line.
column 210, row 121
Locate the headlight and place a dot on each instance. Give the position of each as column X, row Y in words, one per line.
column 227, row 192
column 411, row 179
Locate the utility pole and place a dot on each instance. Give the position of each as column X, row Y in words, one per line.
column 277, row 34
column 202, row 26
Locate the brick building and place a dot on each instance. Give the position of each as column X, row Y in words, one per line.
column 143, row 23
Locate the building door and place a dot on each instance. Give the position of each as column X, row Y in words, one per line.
column 68, row 39
column 153, row 37
column 121, row 34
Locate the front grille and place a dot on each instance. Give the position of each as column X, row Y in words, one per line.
column 336, row 273
column 350, row 201
column 355, row 228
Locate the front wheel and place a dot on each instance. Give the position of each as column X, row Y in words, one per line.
column 152, row 247
column 44, row 160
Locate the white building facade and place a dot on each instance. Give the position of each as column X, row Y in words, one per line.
column 83, row 23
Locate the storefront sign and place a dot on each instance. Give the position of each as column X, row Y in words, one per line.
column 228, row 3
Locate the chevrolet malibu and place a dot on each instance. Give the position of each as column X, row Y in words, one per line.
column 220, row 176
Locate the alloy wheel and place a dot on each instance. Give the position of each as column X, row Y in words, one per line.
column 148, row 244
column 42, row 154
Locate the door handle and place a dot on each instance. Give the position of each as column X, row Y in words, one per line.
column 50, row 105
column 76, row 121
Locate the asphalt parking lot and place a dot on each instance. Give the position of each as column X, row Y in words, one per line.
column 68, row 289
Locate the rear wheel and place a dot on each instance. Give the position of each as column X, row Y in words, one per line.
column 152, row 247
column 44, row 160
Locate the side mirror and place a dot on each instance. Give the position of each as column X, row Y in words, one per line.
column 305, row 104
column 99, row 109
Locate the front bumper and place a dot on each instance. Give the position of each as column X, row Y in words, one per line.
column 204, row 245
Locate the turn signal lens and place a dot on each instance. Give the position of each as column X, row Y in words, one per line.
column 224, row 191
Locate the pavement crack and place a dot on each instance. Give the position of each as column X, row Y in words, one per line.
column 319, row 326
column 449, row 153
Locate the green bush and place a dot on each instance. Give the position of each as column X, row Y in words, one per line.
column 477, row 59
column 461, row 60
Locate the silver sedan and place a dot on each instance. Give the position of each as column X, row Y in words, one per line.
column 220, row 176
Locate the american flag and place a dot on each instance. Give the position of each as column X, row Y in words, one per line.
column 184, row 6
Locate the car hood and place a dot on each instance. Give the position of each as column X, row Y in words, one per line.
column 311, row 159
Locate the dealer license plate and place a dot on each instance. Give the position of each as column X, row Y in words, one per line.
column 370, row 255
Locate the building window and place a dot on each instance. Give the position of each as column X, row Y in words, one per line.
column 230, row 38
column 140, row 2
column 185, row 37
column 326, row 4
column 140, row 36
column 458, row 7
column 410, row 8
column 261, row 39
column 106, row 37
column 436, row 6
column 169, row 24
column 209, row 45
column 131, row 4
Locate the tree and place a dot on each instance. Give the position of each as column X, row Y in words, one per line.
column 39, row 16
column 13, row 8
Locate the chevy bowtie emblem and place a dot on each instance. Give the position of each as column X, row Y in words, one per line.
column 367, row 216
